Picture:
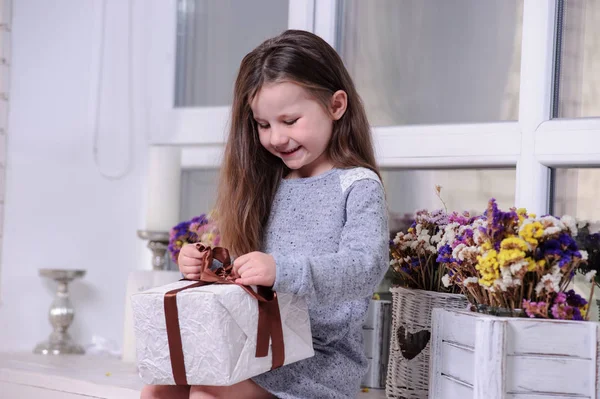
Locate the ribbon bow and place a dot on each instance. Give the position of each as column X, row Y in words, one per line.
column 269, row 319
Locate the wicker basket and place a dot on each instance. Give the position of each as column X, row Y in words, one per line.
column 408, row 366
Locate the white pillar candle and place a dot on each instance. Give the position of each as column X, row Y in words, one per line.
column 164, row 188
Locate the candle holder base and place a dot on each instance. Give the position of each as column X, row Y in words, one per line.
column 61, row 315
column 158, row 243
column 59, row 346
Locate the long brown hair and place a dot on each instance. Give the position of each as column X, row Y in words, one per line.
column 250, row 174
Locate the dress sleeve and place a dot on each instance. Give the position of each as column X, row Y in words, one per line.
column 355, row 270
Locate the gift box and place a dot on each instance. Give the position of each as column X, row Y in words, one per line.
column 214, row 332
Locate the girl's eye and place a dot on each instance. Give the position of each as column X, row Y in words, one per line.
column 260, row 126
column 290, row 123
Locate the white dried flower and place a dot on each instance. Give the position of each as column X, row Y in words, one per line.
column 549, row 283
column 446, row 280
column 518, row 266
column 548, row 231
column 419, row 228
column 470, row 280
column 584, row 254
column 465, row 252
column 449, row 234
column 457, row 251
column 589, row 276
column 500, row 283
column 552, row 225
column 438, row 237
column 570, row 223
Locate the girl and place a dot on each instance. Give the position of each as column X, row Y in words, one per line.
column 301, row 204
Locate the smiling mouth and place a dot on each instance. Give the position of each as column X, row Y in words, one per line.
column 290, row 152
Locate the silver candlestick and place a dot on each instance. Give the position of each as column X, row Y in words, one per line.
column 158, row 243
column 61, row 315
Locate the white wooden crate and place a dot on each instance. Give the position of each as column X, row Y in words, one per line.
column 479, row 356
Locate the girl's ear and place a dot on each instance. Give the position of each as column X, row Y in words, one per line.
column 339, row 103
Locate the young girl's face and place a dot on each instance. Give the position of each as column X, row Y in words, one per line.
column 294, row 126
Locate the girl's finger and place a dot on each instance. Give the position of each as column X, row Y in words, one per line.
column 239, row 262
column 255, row 280
column 249, row 273
column 243, row 269
column 191, row 252
column 192, row 276
column 189, row 261
column 190, row 269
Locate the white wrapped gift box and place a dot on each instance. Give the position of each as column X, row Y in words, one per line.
column 218, row 328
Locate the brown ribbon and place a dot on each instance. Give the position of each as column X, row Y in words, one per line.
column 269, row 318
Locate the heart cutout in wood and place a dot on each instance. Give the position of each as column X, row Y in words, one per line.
column 411, row 344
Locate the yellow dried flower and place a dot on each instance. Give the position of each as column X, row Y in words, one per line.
column 531, row 232
column 488, row 267
column 514, row 243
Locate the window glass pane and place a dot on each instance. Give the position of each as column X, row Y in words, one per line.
column 212, row 38
column 575, row 193
column 462, row 190
column 577, row 86
column 432, row 61
column 198, row 192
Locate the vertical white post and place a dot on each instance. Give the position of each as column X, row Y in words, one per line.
column 301, row 15
column 326, row 20
column 537, row 66
column 436, row 353
column 489, row 382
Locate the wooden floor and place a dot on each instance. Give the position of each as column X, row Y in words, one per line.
column 24, row 375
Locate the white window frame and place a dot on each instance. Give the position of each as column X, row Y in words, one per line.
column 533, row 144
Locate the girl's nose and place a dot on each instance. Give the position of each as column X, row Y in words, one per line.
column 278, row 138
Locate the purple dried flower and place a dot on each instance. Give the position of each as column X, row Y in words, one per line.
column 183, row 233
column 574, row 299
column 445, row 255
column 577, row 314
column 567, row 306
column 460, row 219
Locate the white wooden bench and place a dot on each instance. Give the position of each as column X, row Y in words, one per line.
column 24, row 376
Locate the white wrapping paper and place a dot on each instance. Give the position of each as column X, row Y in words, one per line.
column 218, row 326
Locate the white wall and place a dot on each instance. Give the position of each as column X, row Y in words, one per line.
column 60, row 212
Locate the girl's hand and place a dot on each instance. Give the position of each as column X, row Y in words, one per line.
column 189, row 261
column 255, row 268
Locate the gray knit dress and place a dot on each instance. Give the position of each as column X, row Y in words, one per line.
column 329, row 237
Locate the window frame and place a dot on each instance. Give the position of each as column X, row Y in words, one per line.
column 533, row 144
